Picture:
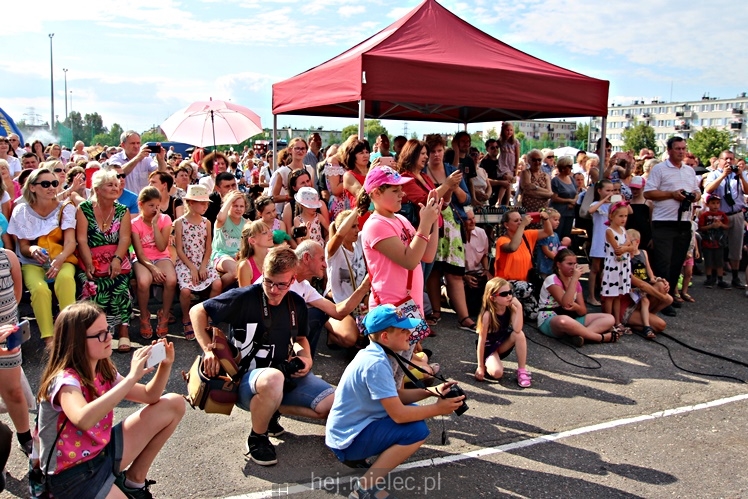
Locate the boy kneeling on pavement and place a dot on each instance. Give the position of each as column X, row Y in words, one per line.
column 370, row 416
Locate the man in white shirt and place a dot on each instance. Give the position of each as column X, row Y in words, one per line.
column 136, row 161
column 669, row 186
column 323, row 313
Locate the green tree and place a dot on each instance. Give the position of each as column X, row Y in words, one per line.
column 414, row 136
column 492, row 133
column 93, row 124
column 151, row 136
column 74, row 121
column 709, row 142
column 111, row 138
column 476, row 140
column 520, row 136
column 641, row 136
column 372, row 129
column 348, row 131
column 582, row 133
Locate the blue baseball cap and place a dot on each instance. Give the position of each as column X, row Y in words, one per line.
column 384, row 316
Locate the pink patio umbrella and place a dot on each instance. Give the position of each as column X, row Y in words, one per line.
column 213, row 122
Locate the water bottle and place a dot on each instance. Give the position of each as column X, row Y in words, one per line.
column 47, row 264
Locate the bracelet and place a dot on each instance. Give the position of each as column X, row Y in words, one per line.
column 423, row 236
column 118, row 258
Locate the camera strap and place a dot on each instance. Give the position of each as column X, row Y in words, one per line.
column 402, row 361
column 417, row 382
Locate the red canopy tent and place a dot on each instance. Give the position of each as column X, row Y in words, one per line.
column 433, row 66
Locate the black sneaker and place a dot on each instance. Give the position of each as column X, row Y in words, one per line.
column 141, row 493
column 737, row 284
column 723, row 284
column 669, row 311
column 710, row 282
column 274, row 427
column 260, row 450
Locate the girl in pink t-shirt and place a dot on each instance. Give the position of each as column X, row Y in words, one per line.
column 150, row 239
column 392, row 247
column 75, row 442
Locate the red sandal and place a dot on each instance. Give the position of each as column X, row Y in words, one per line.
column 162, row 327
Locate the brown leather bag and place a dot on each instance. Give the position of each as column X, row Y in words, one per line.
column 218, row 394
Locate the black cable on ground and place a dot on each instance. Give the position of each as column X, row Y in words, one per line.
column 724, row 376
column 562, row 359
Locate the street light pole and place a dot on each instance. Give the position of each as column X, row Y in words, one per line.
column 71, row 101
column 66, row 92
column 51, row 87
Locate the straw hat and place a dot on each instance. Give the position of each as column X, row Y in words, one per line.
column 197, row 193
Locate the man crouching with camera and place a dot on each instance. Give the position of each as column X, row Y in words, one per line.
column 370, row 416
column 269, row 323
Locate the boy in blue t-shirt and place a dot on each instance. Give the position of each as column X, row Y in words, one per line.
column 370, row 415
column 546, row 248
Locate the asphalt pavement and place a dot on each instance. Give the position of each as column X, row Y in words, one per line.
column 611, row 420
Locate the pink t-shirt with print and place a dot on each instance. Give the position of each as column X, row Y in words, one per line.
column 145, row 232
column 75, row 445
column 388, row 279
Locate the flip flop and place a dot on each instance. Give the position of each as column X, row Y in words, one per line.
column 189, row 333
column 687, row 297
column 124, row 345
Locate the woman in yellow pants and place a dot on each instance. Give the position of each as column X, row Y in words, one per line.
column 39, row 217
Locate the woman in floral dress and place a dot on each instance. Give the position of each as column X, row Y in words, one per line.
column 103, row 234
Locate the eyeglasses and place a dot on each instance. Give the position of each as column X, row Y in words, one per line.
column 14, row 140
column 59, row 170
column 299, row 149
column 102, row 335
column 46, row 184
column 282, row 286
column 504, row 294
column 550, row 157
column 121, row 175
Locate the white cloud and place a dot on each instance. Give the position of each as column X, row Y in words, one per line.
column 398, row 12
column 351, row 10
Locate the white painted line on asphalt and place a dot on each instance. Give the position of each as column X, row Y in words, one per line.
column 288, row 489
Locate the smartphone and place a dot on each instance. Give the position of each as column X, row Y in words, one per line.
column 616, row 198
column 386, row 161
column 18, row 337
column 155, row 148
column 158, row 353
column 534, row 216
column 299, row 232
column 585, row 268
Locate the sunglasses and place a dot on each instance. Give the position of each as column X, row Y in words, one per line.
column 58, row 170
column 46, row 184
column 102, row 335
column 504, row 294
column 121, row 175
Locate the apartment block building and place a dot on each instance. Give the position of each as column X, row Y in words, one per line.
column 677, row 118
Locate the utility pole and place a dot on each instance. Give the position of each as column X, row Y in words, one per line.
column 66, row 92
column 51, row 87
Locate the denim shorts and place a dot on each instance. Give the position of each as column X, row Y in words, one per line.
column 310, row 390
column 545, row 327
column 379, row 436
column 92, row 479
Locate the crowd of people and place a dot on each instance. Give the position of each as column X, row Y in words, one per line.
column 360, row 246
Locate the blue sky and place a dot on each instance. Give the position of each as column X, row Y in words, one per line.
column 137, row 62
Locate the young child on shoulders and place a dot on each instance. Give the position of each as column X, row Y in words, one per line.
column 371, row 416
column 151, row 231
column 499, row 332
column 712, row 226
column 193, row 238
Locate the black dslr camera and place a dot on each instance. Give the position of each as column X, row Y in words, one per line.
column 288, row 368
column 456, row 391
column 685, row 205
